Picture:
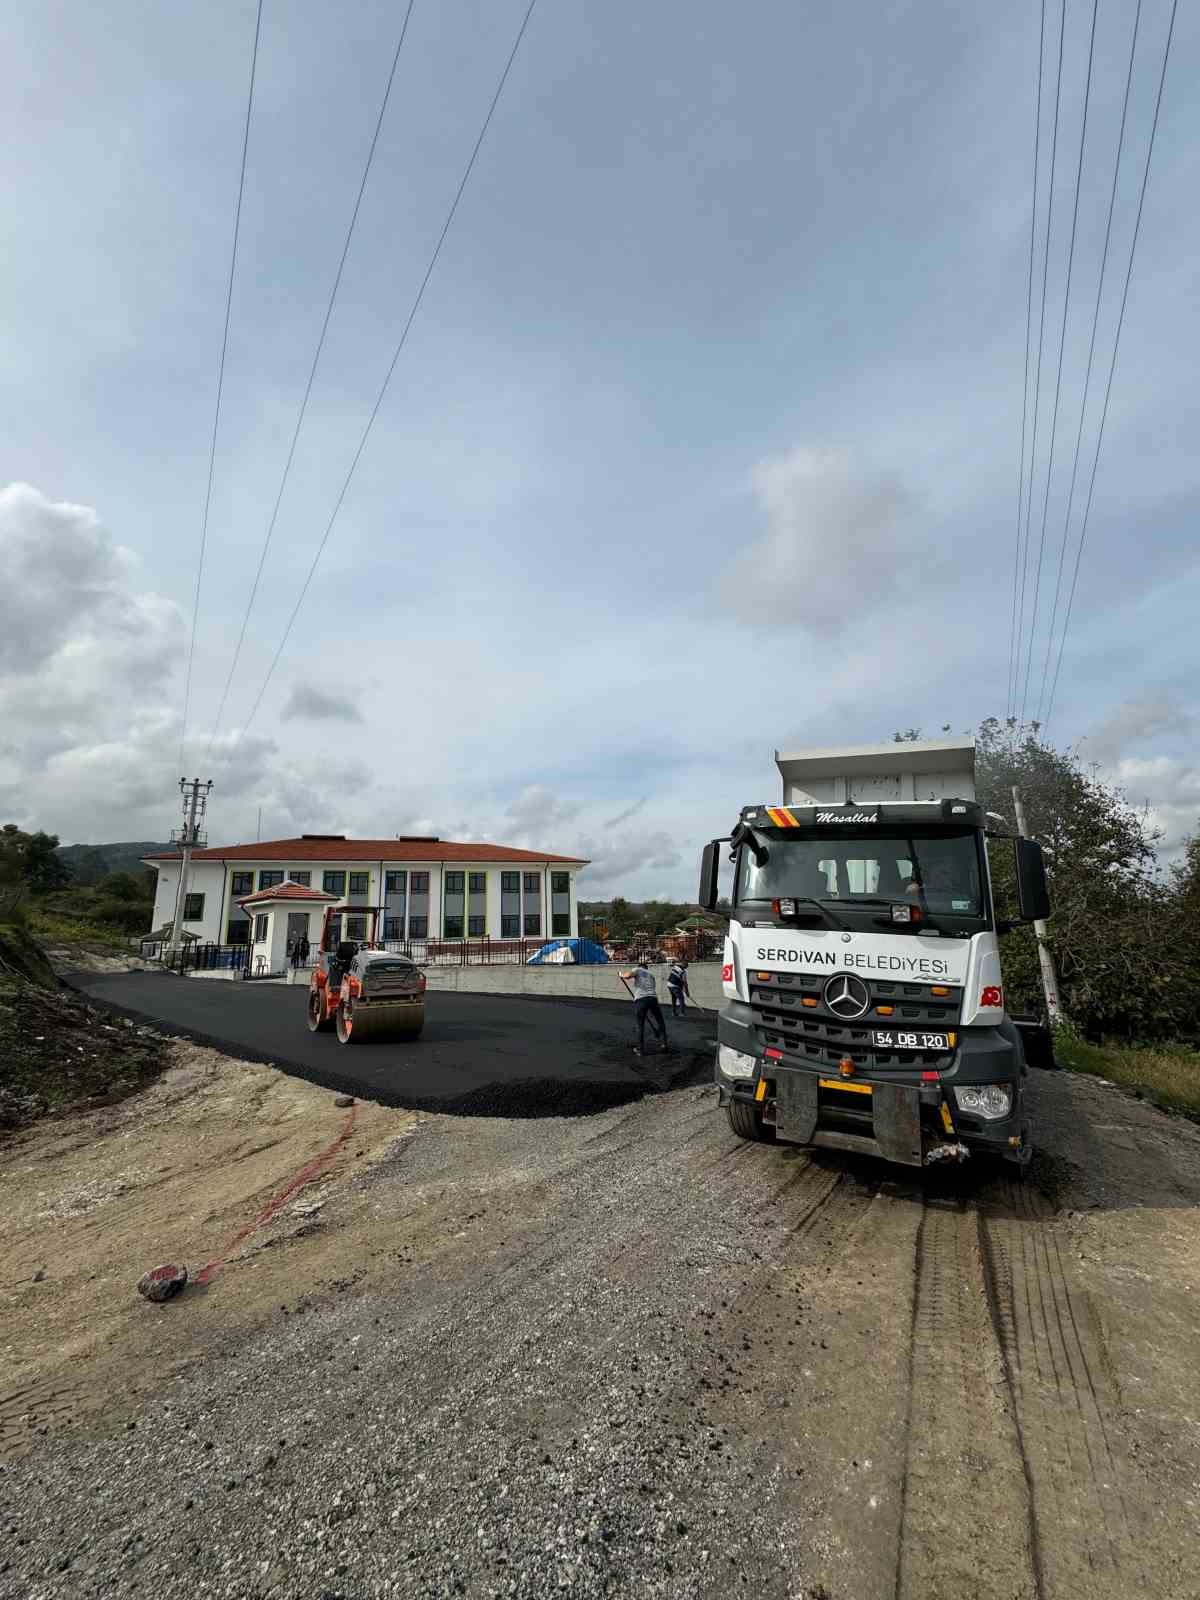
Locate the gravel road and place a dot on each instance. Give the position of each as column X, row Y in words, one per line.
column 628, row 1355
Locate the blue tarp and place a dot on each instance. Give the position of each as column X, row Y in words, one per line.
column 577, row 952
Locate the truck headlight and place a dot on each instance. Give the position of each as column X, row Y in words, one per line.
column 987, row 1100
column 736, row 1063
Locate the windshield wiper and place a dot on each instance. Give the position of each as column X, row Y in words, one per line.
column 860, row 900
column 809, row 900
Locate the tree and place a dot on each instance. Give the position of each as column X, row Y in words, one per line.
column 1124, row 962
column 32, row 859
column 126, row 886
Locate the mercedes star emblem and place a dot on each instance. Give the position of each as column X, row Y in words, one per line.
column 847, row 997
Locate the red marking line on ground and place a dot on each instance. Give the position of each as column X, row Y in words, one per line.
column 313, row 1169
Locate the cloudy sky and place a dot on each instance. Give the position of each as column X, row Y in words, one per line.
column 705, row 440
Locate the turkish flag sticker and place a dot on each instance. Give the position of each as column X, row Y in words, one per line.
column 727, row 972
column 992, row 995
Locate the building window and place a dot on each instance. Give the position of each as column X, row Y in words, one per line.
column 510, row 883
column 304, row 879
column 391, row 927
column 418, row 927
column 356, row 928
column 475, row 926
column 510, row 927
column 533, row 883
column 268, row 880
column 243, row 883
column 334, row 883
column 562, row 924
column 193, row 908
column 454, row 882
column 260, row 927
column 420, row 883
column 478, row 883
column 359, row 882
column 396, row 882
column 454, row 927
column 560, row 883
column 238, row 931
column 533, row 924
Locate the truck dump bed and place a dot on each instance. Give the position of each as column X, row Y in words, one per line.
column 933, row 769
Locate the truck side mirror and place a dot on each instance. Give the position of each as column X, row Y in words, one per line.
column 710, row 865
column 1032, row 894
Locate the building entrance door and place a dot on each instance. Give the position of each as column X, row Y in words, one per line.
column 297, row 928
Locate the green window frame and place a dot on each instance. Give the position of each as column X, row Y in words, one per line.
column 334, row 883
column 193, row 908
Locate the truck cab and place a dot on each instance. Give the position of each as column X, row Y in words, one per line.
column 864, row 996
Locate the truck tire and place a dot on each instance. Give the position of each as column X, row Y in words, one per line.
column 747, row 1122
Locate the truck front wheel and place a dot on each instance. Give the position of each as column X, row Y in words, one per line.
column 747, row 1122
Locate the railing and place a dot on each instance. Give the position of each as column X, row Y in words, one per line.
column 485, row 952
column 202, row 957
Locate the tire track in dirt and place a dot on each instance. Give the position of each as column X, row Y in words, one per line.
column 1064, row 1406
column 966, row 1516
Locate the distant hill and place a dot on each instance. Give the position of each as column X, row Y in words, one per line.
column 91, row 862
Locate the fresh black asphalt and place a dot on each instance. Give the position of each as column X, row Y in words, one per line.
column 480, row 1054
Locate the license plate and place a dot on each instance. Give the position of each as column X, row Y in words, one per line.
column 911, row 1041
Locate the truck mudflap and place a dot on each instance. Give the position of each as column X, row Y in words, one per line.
column 895, row 1131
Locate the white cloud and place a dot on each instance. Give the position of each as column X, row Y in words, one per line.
column 615, row 860
column 1166, row 785
column 627, row 814
column 317, row 705
column 835, row 545
column 1132, row 723
column 537, row 814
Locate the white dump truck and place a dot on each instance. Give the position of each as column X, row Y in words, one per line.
column 864, row 999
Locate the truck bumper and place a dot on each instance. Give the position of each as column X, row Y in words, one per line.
column 896, row 1115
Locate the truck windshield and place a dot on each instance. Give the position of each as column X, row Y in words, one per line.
column 844, row 869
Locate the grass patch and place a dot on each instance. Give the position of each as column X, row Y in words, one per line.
column 1166, row 1076
column 54, row 931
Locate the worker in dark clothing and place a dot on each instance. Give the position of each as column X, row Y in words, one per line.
column 677, row 988
column 646, row 1006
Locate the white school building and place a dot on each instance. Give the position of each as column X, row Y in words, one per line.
column 427, row 888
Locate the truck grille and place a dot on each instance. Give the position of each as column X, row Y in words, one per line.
column 784, row 1021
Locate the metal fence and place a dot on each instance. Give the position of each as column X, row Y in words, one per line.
column 200, row 957
column 195, row 957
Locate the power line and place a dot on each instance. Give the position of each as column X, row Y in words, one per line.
column 362, row 443
column 1113, row 363
column 1037, row 144
column 1087, row 380
column 212, row 453
column 1037, row 387
column 311, row 376
column 1062, row 340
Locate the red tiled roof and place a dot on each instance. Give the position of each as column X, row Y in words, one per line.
column 286, row 891
column 367, row 850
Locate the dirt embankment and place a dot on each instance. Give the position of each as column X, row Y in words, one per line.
column 218, row 1164
column 58, row 1052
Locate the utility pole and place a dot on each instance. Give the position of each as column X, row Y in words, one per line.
column 188, row 837
column 1046, row 961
